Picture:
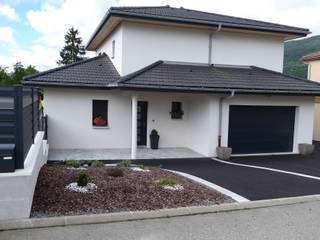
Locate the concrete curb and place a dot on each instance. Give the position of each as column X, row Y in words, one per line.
column 213, row 186
column 15, row 224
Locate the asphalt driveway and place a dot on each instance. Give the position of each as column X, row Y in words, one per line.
column 252, row 183
column 295, row 163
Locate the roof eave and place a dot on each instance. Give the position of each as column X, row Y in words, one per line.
column 307, row 59
column 217, row 90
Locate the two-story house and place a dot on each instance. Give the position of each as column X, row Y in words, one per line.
column 200, row 79
column 313, row 60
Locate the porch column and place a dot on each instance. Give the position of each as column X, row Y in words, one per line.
column 134, row 127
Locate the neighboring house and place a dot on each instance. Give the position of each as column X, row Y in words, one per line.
column 313, row 61
column 223, row 73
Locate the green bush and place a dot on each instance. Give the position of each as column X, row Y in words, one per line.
column 142, row 167
column 82, row 180
column 97, row 164
column 89, row 162
column 82, row 162
column 154, row 132
column 124, row 163
column 73, row 163
column 167, row 181
column 115, row 172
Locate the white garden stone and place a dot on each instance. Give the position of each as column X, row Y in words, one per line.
column 79, row 168
column 140, row 169
column 174, row 188
column 86, row 189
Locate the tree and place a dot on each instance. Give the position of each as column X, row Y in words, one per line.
column 4, row 77
column 73, row 51
column 16, row 76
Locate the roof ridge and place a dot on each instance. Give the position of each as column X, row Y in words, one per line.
column 136, row 7
column 140, row 71
column 286, row 75
column 64, row 67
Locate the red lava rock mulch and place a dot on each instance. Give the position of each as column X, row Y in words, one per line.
column 134, row 191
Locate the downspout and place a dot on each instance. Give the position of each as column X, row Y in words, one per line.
column 220, row 115
column 210, row 43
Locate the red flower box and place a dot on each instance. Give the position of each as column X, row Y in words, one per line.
column 100, row 121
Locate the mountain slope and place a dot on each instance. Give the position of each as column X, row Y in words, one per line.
column 294, row 50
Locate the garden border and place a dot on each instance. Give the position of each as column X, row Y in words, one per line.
column 15, row 224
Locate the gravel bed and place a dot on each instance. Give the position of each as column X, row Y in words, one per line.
column 134, row 191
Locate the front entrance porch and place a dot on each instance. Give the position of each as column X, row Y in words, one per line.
column 120, row 154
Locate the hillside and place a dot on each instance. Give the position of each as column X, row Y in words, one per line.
column 294, row 50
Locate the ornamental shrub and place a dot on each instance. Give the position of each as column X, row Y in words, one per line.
column 124, row 163
column 73, row 163
column 142, row 167
column 154, row 132
column 82, row 180
column 167, row 181
column 97, row 164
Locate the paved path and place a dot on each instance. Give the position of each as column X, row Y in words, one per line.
column 299, row 221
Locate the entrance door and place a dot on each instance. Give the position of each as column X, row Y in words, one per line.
column 142, row 123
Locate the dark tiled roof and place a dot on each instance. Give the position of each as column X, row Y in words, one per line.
column 93, row 72
column 179, row 76
column 99, row 72
column 181, row 15
column 311, row 56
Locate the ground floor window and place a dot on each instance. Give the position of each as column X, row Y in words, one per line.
column 100, row 113
column 176, row 110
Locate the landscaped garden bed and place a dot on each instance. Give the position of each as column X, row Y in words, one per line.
column 116, row 189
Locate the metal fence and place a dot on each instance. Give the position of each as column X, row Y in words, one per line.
column 21, row 117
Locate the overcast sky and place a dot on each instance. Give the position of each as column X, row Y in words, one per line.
column 32, row 31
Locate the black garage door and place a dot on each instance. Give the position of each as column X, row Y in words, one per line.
column 261, row 129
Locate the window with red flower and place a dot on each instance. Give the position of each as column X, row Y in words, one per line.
column 100, row 113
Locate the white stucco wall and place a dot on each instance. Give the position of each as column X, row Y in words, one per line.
column 248, row 49
column 17, row 188
column 138, row 45
column 106, row 47
column 203, row 124
column 144, row 44
column 173, row 132
column 70, row 118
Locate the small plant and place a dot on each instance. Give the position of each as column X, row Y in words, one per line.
column 124, row 163
column 82, row 180
column 73, row 163
column 97, row 164
column 167, row 181
column 82, row 162
column 89, row 162
column 142, row 167
column 115, row 172
column 154, row 132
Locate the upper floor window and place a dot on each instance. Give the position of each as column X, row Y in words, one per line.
column 113, row 49
column 176, row 110
column 100, row 113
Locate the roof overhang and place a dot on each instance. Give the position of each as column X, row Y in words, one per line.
column 309, row 59
column 112, row 20
column 216, row 90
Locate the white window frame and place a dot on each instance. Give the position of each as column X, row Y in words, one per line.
column 113, row 49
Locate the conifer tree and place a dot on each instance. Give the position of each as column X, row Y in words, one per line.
column 73, row 51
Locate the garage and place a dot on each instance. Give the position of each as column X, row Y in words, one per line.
column 261, row 129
